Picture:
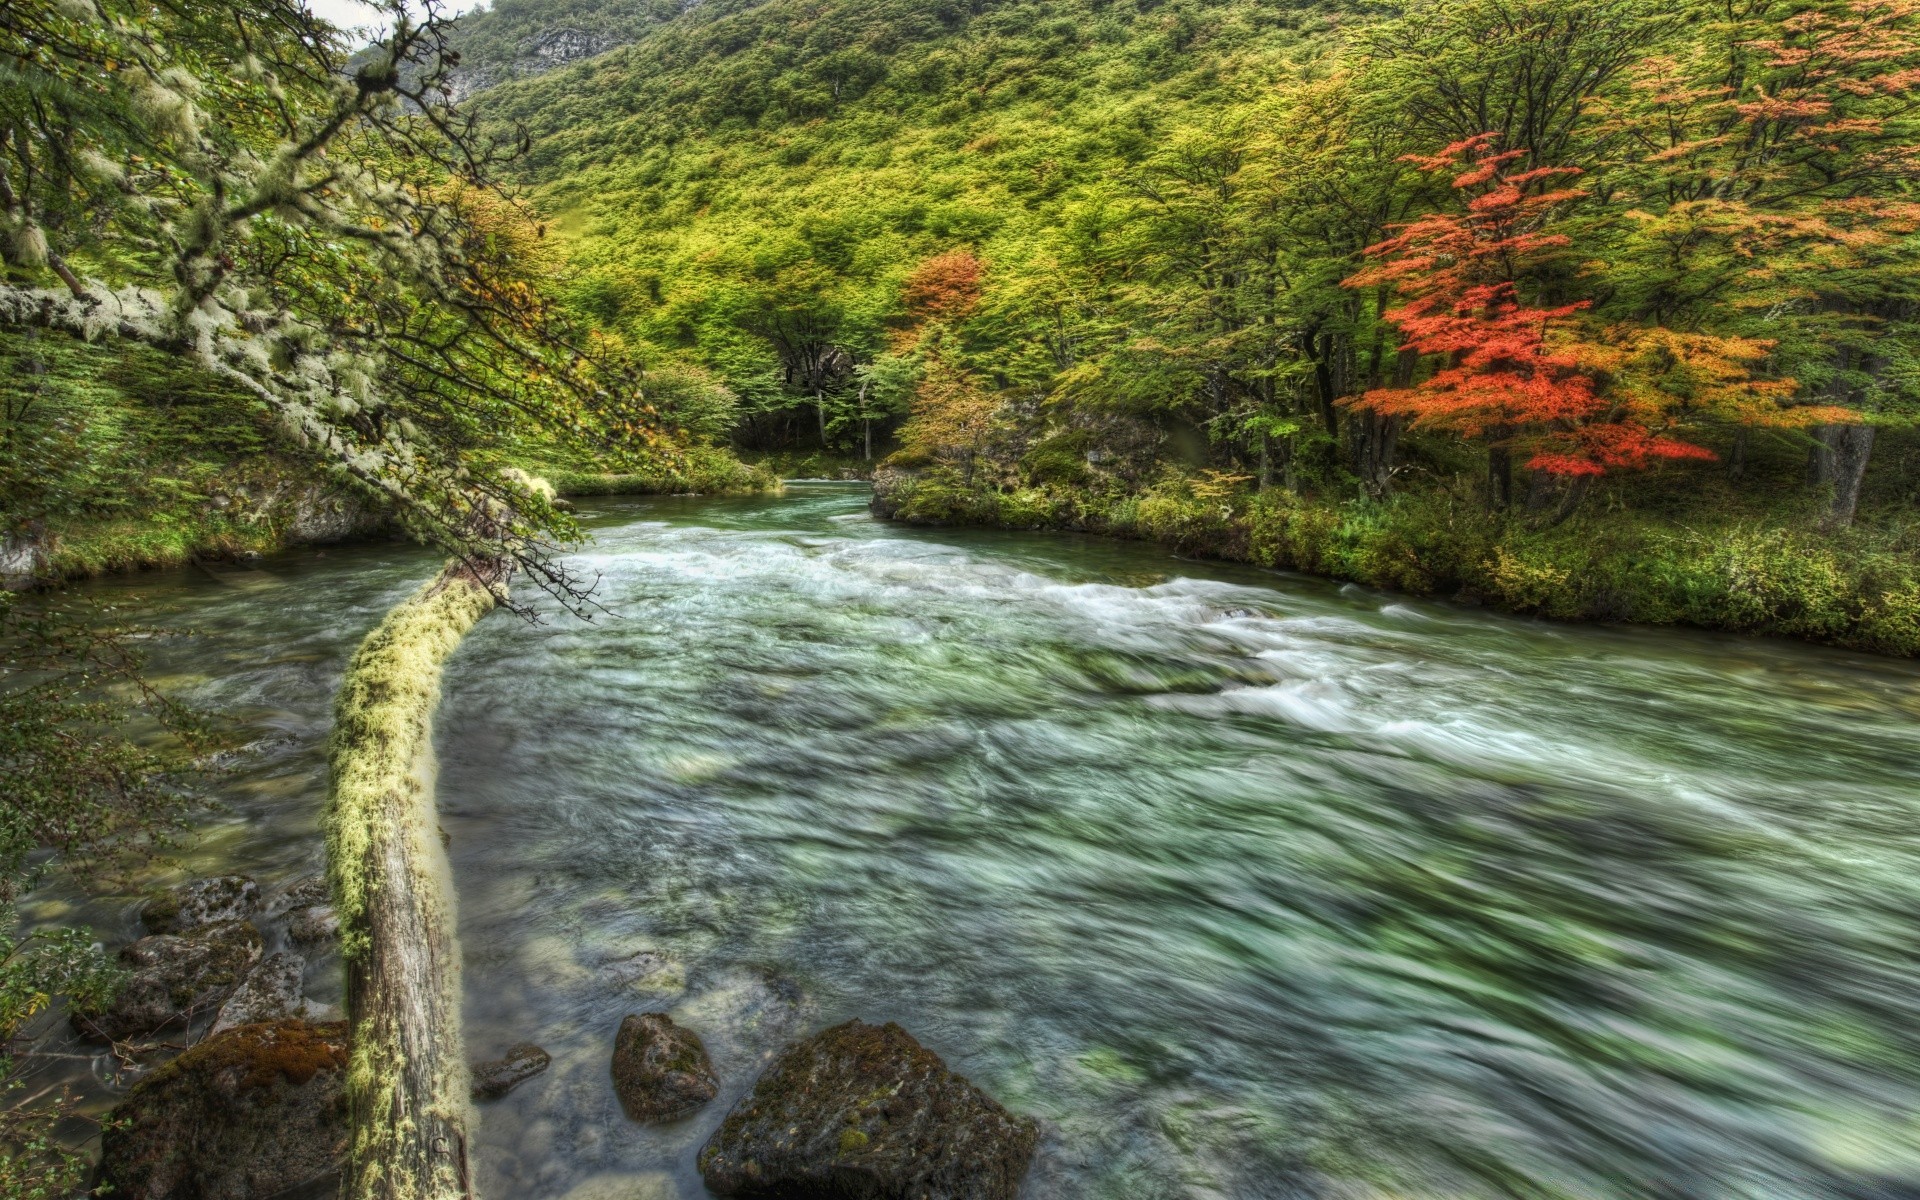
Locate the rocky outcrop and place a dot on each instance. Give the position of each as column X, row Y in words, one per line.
column 257, row 1111
column 661, row 1071
column 174, row 979
column 865, row 1112
column 202, row 902
column 273, row 991
column 492, row 1080
column 23, row 558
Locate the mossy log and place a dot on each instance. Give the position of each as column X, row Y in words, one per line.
column 406, row 1086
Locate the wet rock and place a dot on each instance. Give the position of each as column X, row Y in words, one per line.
column 492, row 1080
column 866, row 1111
column 203, row 902
column 313, row 926
column 174, row 979
column 306, row 892
column 255, row 1111
column 661, row 1071
column 273, row 991
column 646, row 970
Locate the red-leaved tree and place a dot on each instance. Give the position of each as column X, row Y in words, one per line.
column 1515, row 375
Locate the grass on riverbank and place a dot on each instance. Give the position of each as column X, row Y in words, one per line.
column 1770, row 573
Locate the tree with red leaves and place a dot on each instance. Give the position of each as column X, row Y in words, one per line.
column 943, row 288
column 1514, row 374
column 1769, row 168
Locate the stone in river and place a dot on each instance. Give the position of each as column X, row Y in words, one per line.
column 867, row 1112
column 312, row 926
column 255, row 1111
column 273, row 991
column 173, row 980
column 306, row 892
column 492, row 1080
column 202, row 902
column 661, row 1071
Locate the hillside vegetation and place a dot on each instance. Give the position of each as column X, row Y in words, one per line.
column 1594, row 310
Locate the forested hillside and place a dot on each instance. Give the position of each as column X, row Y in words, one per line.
column 1516, row 300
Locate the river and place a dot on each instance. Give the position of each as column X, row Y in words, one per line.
column 1248, row 885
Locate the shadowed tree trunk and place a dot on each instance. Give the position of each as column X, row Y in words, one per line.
column 1842, row 453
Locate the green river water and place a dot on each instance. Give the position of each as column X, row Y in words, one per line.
column 1246, row 885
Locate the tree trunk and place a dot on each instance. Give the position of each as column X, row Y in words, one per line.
column 1846, row 450
column 1737, row 457
column 407, row 1085
column 1371, row 440
column 1577, row 489
column 1499, row 470
column 820, row 408
column 866, row 420
column 1266, row 464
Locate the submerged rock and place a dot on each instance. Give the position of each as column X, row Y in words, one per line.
column 256, row 1111
column 174, row 979
column 492, row 1080
column 200, row 903
column 306, row 892
column 313, row 926
column 661, row 1071
column 272, row 991
column 865, row 1111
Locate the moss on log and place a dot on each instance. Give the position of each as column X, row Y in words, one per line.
column 406, row 1086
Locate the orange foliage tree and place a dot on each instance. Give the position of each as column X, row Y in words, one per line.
column 952, row 415
column 1517, row 375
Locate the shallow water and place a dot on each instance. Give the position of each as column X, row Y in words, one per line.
column 1248, row 885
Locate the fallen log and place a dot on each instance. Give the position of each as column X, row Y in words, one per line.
column 407, row 1082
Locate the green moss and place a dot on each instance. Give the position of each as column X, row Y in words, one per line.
column 381, row 745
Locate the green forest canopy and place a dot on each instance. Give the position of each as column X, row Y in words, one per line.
column 1173, row 205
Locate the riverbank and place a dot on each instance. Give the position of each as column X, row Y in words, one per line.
column 1857, row 588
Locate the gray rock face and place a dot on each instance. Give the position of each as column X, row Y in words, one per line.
column 257, row 1111
column 492, row 1080
column 273, row 991
column 202, row 902
column 661, row 1071
column 174, row 979
column 865, row 1112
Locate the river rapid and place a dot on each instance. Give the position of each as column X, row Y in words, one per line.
column 1247, row 885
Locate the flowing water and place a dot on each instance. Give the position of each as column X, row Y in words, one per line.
column 1247, row 885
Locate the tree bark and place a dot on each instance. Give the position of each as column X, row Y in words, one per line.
column 407, row 1084
column 1499, row 473
column 1372, row 438
column 1846, row 450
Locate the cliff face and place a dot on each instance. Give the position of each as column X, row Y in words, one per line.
column 518, row 39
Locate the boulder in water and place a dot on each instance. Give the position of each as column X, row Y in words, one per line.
column 866, row 1111
column 174, row 979
column 203, row 902
column 255, row 1111
column 306, row 892
column 275, row 990
column 492, row 1080
column 312, row 926
column 661, row 1071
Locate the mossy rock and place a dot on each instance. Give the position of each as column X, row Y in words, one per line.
column 174, row 980
column 497, row 1077
column 201, row 903
column 661, row 1071
column 865, row 1112
column 256, row 1111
